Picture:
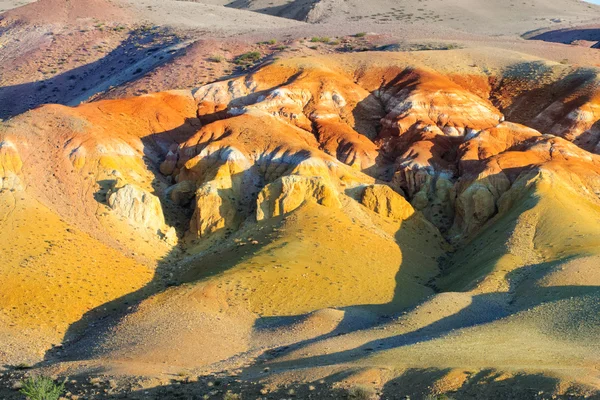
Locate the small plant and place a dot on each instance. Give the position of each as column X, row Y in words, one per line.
column 42, row 388
column 216, row 59
column 320, row 39
column 361, row 392
column 232, row 396
column 248, row 58
column 360, row 34
column 271, row 42
column 564, row 61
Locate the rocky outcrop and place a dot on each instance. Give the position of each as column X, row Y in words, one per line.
column 225, row 183
column 10, row 166
column 290, row 192
column 214, row 209
column 574, row 116
column 435, row 103
column 478, row 203
column 140, row 208
column 182, row 193
column 317, row 101
column 386, row 202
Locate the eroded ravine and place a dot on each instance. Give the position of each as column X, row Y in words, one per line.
column 323, row 192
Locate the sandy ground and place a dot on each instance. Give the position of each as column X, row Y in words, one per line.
column 6, row 5
column 473, row 16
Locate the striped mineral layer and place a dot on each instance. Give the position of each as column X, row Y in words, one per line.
column 322, row 203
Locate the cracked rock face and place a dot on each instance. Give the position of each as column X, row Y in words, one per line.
column 10, row 166
column 139, row 207
column 386, row 202
column 289, row 192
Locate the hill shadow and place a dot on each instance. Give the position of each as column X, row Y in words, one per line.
column 295, row 10
column 142, row 51
column 568, row 35
column 482, row 308
column 485, row 384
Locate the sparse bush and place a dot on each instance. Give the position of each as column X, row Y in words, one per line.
column 216, row 59
column 320, row 39
column 42, row 388
column 361, row 392
column 248, row 58
column 271, row 42
column 564, row 61
column 360, row 34
column 232, row 396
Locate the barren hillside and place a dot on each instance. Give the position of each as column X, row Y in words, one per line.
column 210, row 200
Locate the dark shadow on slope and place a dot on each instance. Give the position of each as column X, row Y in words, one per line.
column 529, row 103
column 216, row 387
column 297, row 9
column 568, row 35
column 484, row 309
column 484, row 385
column 590, row 139
column 132, row 59
column 486, row 249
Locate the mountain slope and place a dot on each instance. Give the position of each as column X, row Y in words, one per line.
column 352, row 217
column 474, row 16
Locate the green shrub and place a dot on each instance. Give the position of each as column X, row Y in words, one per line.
column 360, row 34
column 42, row 388
column 271, row 42
column 248, row 58
column 232, row 396
column 320, row 39
column 361, row 392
